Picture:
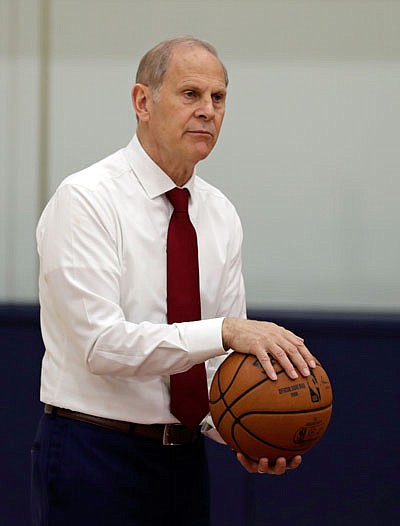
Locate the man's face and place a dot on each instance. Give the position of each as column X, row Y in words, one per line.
column 186, row 116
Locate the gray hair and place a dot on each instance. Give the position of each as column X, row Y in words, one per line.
column 154, row 64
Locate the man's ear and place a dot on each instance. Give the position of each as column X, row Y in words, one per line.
column 141, row 97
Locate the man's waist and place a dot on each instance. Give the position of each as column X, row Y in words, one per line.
column 166, row 434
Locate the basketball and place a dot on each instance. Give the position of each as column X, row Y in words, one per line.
column 268, row 418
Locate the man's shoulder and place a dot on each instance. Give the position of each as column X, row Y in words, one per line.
column 209, row 191
column 218, row 208
column 100, row 173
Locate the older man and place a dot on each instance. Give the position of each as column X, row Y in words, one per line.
column 141, row 296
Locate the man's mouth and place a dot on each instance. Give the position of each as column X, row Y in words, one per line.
column 205, row 133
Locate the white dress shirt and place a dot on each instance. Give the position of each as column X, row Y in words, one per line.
column 102, row 287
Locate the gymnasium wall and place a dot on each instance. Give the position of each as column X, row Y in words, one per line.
column 308, row 151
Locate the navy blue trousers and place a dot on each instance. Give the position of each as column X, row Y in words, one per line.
column 85, row 475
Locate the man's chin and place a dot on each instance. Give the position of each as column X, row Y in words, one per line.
column 202, row 149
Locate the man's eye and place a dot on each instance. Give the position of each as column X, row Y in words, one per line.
column 218, row 97
column 189, row 94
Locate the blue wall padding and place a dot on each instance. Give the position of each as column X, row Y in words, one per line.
column 350, row 477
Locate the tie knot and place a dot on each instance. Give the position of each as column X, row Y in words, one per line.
column 179, row 198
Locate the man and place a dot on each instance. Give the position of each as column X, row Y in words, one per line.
column 103, row 452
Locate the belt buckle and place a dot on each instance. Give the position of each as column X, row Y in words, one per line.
column 167, row 438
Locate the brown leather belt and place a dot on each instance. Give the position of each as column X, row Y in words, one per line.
column 167, row 434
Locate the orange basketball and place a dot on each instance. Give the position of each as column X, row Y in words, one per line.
column 268, row 418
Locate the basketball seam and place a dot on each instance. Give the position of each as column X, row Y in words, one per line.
column 231, row 381
column 286, row 412
column 222, row 397
column 263, row 441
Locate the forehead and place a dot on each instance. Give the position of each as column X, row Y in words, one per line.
column 190, row 63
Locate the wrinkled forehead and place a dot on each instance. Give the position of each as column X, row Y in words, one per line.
column 187, row 60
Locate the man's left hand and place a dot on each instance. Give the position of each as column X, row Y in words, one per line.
column 278, row 467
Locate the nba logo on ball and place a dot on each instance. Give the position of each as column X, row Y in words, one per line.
column 261, row 417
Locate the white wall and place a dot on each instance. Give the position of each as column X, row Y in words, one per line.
column 308, row 151
column 19, row 147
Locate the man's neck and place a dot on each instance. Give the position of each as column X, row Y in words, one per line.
column 179, row 173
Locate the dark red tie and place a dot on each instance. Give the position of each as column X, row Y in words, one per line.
column 189, row 395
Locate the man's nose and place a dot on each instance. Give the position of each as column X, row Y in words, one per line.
column 205, row 109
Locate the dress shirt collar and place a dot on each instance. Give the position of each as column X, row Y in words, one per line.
column 153, row 179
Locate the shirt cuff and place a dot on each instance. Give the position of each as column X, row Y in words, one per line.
column 204, row 339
